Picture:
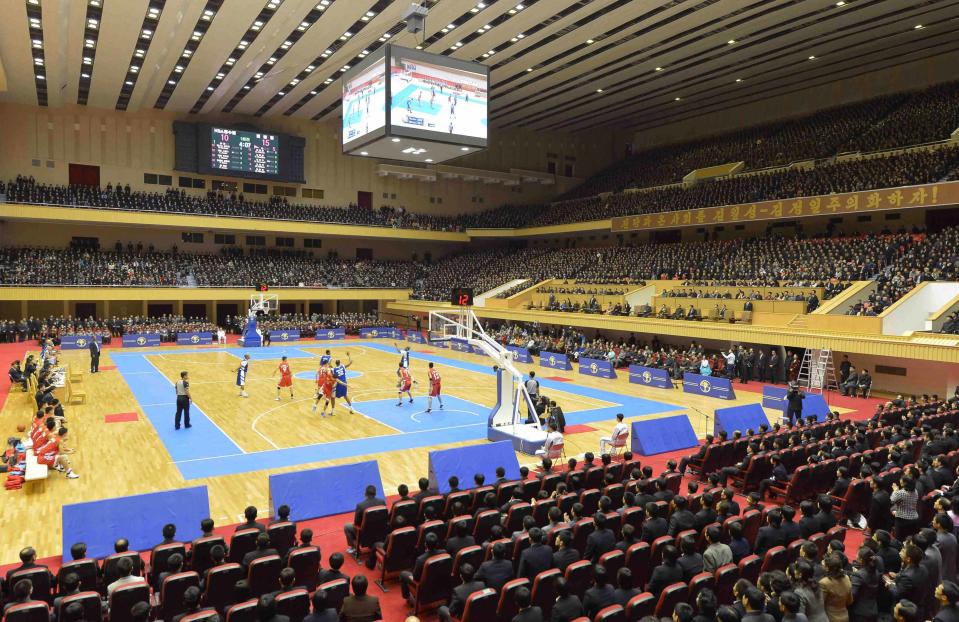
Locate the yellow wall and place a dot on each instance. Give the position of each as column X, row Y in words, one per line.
column 127, row 144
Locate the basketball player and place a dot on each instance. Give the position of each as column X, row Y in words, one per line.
column 404, row 355
column 325, row 359
column 339, row 377
column 435, row 389
column 52, row 454
column 241, row 375
column 286, row 378
column 324, row 388
column 404, row 384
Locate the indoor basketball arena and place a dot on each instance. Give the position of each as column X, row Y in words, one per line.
column 538, row 311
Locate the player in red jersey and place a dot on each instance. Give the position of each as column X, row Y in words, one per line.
column 435, row 388
column 404, row 384
column 52, row 454
column 324, row 388
column 286, row 378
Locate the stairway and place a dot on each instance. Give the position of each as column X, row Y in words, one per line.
column 799, row 321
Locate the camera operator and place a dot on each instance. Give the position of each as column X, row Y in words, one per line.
column 794, row 398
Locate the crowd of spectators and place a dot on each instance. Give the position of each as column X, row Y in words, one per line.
column 884, row 171
column 232, row 267
column 25, row 189
column 887, row 122
column 310, row 324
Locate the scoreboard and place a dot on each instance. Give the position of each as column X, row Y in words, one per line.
column 246, row 152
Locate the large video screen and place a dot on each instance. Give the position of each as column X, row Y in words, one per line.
column 244, row 152
column 364, row 101
column 434, row 95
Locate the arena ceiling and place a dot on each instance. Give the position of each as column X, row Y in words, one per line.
column 556, row 64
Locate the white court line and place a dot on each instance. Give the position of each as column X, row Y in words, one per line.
column 158, row 404
column 445, row 410
column 272, row 410
column 344, row 440
column 210, row 419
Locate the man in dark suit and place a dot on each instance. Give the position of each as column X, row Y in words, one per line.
column 360, row 607
column 667, row 573
column 333, row 572
column 350, row 529
column 250, row 514
column 407, row 578
column 789, row 526
column 565, row 553
column 910, row 583
column 825, row 516
column 461, row 539
column 779, row 475
column 771, row 534
column 424, row 491
column 655, row 525
column 696, row 458
column 691, row 561
column 526, row 612
column 625, row 589
column 460, row 593
column 497, row 571
column 322, row 612
column 567, row 606
column 266, row 610
column 753, row 602
column 28, row 560
column 94, row 355
column 601, row 595
column 601, row 541
column 947, row 594
column 808, row 523
column 537, row 558
column 263, row 549
column 681, row 518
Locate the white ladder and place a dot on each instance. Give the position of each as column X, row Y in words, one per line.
column 817, row 373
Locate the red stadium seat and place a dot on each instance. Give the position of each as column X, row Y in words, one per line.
column 336, row 591
column 433, row 501
column 613, row 613
column 171, row 593
column 472, row 555
column 637, row 560
column 480, row 606
column 544, row 590
column 437, row 527
column 506, row 608
column 435, row 584
column 407, row 509
column 612, row 561
column 590, row 499
column 90, row 601
column 579, row 576
column 204, row 615
column 726, row 577
column 240, row 612
column 86, row 569
column 581, row 531
column 282, row 536
column 32, row 611
column 264, row 574
column 396, row 555
column 656, row 553
column 219, row 584
column 242, row 542
column 776, row 558
column 373, row 528
column 159, row 557
column 124, row 597
column 110, row 572
column 484, row 525
column 200, row 560
column 294, row 604
column 40, row 578
column 749, row 567
column 514, row 518
column 305, row 561
column 640, row 606
column 699, row 582
column 672, row 595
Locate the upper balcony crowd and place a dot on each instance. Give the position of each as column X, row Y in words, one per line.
column 885, row 123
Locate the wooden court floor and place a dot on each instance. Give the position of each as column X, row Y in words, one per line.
column 126, row 458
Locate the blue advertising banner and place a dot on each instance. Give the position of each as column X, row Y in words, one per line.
column 650, row 377
column 380, row 332
column 284, row 335
column 76, row 342
column 596, row 367
column 554, row 360
column 710, row 386
column 141, row 340
column 460, row 345
column 194, row 339
column 415, row 336
column 774, row 397
column 520, row 355
column 327, row 334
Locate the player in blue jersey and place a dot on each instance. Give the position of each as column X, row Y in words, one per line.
column 404, row 355
column 341, row 388
column 326, row 358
